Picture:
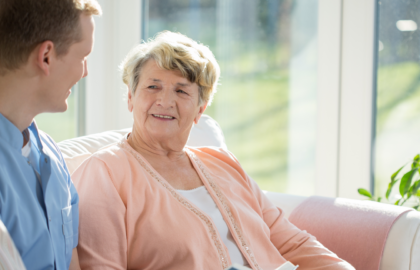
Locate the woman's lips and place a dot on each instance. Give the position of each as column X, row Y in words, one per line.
column 163, row 117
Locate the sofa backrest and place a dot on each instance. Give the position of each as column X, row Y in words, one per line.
column 206, row 133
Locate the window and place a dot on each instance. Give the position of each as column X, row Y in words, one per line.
column 296, row 86
column 398, row 89
column 67, row 125
column 266, row 100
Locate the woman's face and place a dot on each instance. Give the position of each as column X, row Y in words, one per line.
column 164, row 105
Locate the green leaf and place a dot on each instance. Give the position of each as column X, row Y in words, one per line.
column 416, row 207
column 396, row 173
column 397, row 202
column 415, row 163
column 418, row 193
column 390, row 186
column 379, row 199
column 364, row 192
column 406, row 182
column 415, row 188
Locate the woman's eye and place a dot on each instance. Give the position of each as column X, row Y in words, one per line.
column 152, row 87
column 181, row 91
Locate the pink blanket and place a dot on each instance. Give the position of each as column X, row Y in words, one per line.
column 355, row 230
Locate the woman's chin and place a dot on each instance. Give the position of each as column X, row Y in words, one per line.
column 168, row 139
column 166, row 134
column 162, row 136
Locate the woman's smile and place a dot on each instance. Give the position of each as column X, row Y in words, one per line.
column 163, row 117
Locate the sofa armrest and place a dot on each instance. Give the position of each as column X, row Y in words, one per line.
column 402, row 247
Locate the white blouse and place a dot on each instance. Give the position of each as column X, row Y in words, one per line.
column 201, row 198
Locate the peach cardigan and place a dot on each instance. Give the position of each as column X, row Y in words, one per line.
column 131, row 218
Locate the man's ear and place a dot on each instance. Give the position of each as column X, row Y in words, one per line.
column 130, row 101
column 200, row 112
column 45, row 53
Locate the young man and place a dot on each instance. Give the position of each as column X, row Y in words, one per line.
column 43, row 49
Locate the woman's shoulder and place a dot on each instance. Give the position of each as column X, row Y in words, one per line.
column 112, row 159
column 218, row 156
column 111, row 155
column 212, row 151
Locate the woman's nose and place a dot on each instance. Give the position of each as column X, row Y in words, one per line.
column 166, row 98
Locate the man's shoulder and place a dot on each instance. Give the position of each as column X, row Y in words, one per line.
column 48, row 140
column 9, row 159
column 51, row 149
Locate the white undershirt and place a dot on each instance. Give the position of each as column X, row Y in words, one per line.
column 201, row 198
column 26, row 153
column 26, row 150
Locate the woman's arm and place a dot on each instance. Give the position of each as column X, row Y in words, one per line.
column 102, row 213
column 295, row 245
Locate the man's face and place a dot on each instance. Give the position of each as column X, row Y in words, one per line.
column 67, row 70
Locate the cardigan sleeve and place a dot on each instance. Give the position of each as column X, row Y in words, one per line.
column 295, row 245
column 102, row 239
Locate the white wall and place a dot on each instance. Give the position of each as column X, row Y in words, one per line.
column 117, row 31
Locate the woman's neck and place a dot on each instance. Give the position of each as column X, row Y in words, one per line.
column 150, row 148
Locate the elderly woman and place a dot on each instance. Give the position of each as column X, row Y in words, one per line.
column 150, row 202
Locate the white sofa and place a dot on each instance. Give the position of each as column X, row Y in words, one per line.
column 402, row 248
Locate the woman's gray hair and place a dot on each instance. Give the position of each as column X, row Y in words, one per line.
column 174, row 51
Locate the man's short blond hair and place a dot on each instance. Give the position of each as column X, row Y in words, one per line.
column 174, row 51
column 24, row 24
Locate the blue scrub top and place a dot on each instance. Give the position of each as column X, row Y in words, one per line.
column 41, row 215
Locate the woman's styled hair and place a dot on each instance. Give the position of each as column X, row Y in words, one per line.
column 26, row 23
column 174, row 51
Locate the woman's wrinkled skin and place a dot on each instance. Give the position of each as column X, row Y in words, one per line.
column 165, row 105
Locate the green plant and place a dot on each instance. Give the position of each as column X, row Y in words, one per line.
column 409, row 185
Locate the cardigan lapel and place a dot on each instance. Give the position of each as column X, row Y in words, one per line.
column 223, row 205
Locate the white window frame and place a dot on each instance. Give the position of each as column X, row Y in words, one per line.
column 346, row 78
column 346, row 97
